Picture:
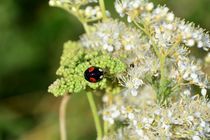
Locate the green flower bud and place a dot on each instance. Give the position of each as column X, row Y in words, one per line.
column 75, row 60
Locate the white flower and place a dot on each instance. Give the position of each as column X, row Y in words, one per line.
column 137, row 82
column 140, row 132
column 112, row 36
column 147, row 120
column 157, row 112
column 134, row 92
column 203, row 124
column 133, row 85
column 70, row 2
column 149, row 6
column 170, row 114
column 107, row 47
column 110, row 114
column 203, row 92
column 160, row 18
column 192, row 72
column 105, row 98
column 187, row 92
column 197, row 114
column 51, row 3
column 170, row 17
column 131, row 116
column 196, row 138
column 190, row 118
column 92, row 12
column 207, row 58
column 190, row 42
column 165, row 126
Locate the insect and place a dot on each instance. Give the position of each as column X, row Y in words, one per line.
column 94, row 74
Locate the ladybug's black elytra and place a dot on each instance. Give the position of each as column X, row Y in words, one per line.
column 94, row 74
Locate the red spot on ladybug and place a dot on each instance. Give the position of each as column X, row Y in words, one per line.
column 93, row 74
column 92, row 79
column 91, row 69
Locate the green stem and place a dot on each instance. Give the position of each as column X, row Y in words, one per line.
column 161, row 93
column 86, row 27
column 162, row 80
column 90, row 95
column 95, row 115
column 146, row 31
column 174, row 46
column 62, row 116
column 162, row 70
column 105, row 127
column 103, row 8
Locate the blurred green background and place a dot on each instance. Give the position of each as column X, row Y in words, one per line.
column 31, row 39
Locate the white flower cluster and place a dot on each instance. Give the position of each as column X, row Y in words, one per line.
column 192, row 72
column 166, row 27
column 121, row 114
column 70, row 2
column 81, row 8
column 188, row 118
column 92, row 12
column 132, row 8
column 170, row 35
column 137, row 73
column 133, row 84
column 112, row 36
column 124, row 106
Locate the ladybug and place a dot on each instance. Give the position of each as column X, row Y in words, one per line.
column 94, row 74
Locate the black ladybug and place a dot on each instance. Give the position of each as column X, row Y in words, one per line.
column 94, row 74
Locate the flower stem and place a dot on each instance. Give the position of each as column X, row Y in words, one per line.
column 162, row 80
column 162, row 69
column 90, row 96
column 103, row 8
column 86, row 27
column 161, row 93
column 105, row 127
column 146, row 31
column 95, row 115
column 62, row 116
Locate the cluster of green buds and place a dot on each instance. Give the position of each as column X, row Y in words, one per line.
column 75, row 60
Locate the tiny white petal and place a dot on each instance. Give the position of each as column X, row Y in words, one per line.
column 131, row 116
column 105, row 98
column 196, row 138
column 140, row 132
column 203, row 124
column 187, row 93
column 194, row 76
column 170, row 17
column 51, row 3
column 149, row 6
column 200, row 44
column 129, row 19
column 111, row 121
column 190, row 42
column 203, row 92
column 115, row 114
column 190, row 118
column 134, row 92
